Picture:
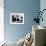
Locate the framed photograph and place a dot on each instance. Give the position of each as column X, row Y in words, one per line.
column 16, row 18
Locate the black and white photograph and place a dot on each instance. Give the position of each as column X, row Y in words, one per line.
column 16, row 18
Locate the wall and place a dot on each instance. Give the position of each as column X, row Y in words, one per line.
column 29, row 8
column 43, row 6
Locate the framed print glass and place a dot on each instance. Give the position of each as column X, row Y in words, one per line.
column 16, row 18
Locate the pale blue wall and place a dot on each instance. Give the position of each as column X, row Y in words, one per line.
column 43, row 6
column 28, row 7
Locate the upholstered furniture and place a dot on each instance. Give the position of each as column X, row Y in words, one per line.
column 39, row 33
